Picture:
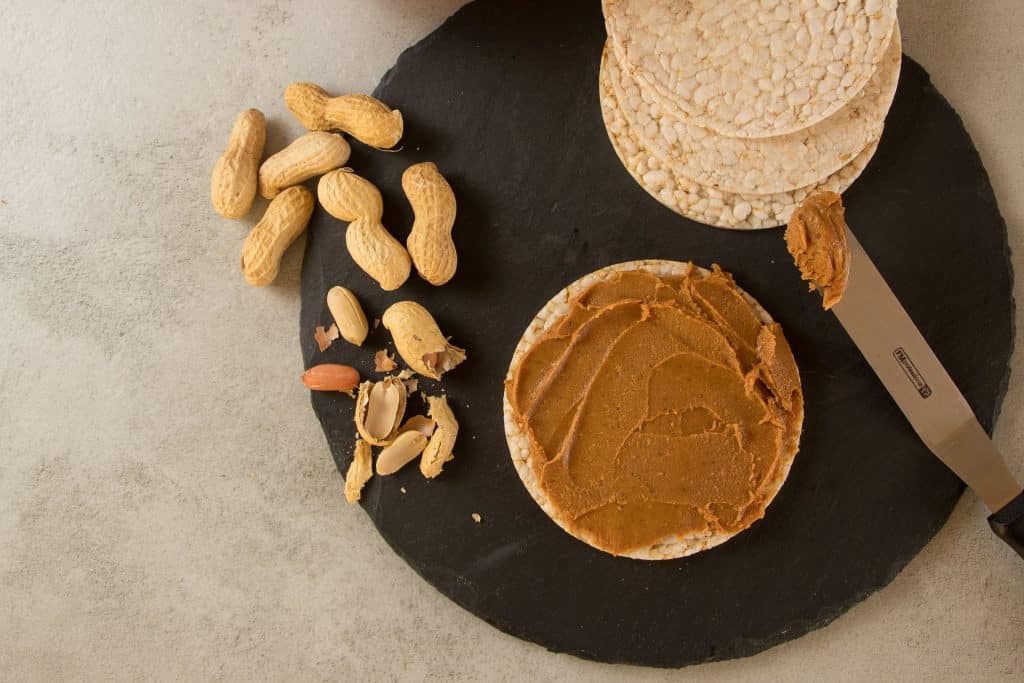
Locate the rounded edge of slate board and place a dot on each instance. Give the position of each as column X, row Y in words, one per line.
column 504, row 99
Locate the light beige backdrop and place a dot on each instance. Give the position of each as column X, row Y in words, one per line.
column 168, row 506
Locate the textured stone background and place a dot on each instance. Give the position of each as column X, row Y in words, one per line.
column 168, row 507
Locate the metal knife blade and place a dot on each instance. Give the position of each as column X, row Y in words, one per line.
column 924, row 391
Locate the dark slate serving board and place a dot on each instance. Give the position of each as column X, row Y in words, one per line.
column 504, row 98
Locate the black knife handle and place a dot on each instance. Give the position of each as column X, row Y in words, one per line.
column 1008, row 523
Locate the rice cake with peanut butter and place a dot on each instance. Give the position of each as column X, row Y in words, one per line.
column 653, row 409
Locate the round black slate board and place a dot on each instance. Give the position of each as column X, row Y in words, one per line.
column 504, row 98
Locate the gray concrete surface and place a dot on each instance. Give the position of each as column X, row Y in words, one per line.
column 168, row 507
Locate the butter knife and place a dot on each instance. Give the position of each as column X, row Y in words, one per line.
column 924, row 391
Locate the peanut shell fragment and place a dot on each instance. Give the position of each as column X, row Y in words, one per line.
column 383, row 362
column 359, row 471
column 325, row 337
column 380, row 407
column 439, row 449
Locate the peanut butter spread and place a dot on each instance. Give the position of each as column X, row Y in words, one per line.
column 658, row 407
column 816, row 238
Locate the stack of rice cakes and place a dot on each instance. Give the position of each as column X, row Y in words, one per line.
column 730, row 112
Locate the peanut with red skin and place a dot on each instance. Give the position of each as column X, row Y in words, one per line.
column 331, row 377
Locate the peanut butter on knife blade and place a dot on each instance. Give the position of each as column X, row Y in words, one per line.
column 816, row 238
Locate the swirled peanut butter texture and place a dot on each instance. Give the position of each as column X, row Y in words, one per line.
column 816, row 239
column 658, row 408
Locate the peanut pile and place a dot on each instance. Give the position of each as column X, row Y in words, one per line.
column 380, row 406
